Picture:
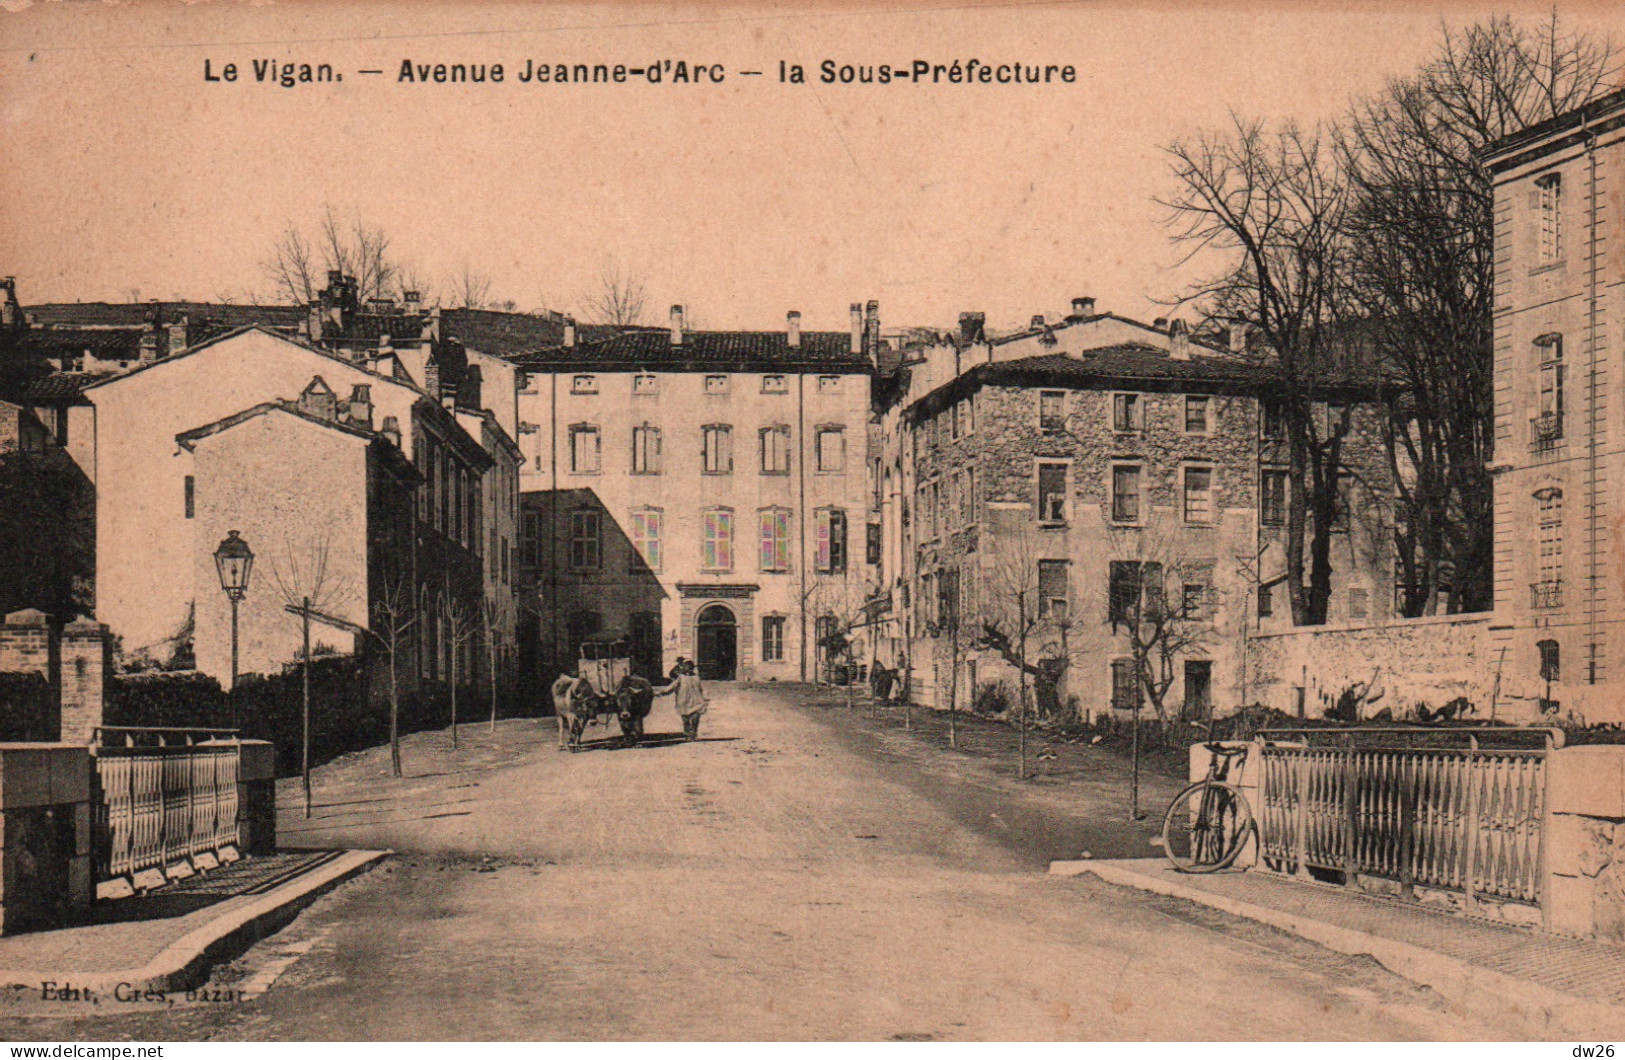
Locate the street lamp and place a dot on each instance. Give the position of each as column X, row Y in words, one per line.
column 235, row 561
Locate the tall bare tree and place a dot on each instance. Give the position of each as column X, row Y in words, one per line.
column 1269, row 209
column 394, row 616
column 621, row 298
column 299, row 260
column 462, row 627
column 469, row 288
column 1421, row 266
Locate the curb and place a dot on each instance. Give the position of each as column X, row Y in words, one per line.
column 1468, row 987
column 186, row 963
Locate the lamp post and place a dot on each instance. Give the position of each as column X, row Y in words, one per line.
column 235, row 562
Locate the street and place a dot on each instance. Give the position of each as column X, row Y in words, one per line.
column 801, row 872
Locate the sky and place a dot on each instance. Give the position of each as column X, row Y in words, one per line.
column 126, row 175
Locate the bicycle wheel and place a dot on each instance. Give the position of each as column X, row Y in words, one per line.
column 1206, row 826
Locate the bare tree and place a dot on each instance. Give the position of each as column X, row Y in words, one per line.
column 394, row 614
column 1422, row 273
column 1271, row 207
column 620, row 299
column 298, row 261
column 469, row 288
column 462, row 626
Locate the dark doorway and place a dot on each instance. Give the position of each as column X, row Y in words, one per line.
column 1198, row 690
column 717, row 645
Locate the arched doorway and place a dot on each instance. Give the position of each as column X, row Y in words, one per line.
column 716, row 644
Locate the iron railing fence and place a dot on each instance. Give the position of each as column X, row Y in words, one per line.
column 1449, row 808
column 163, row 795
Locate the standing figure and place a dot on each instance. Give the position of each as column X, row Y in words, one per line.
column 690, row 697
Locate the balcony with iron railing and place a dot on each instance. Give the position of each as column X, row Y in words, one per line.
column 1544, row 596
column 1545, row 432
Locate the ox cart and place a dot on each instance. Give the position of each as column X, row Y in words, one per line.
column 606, row 687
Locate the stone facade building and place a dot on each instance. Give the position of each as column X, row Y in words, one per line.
column 1073, row 474
column 705, row 492
column 1559, row 308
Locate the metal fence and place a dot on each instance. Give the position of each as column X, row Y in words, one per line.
column 1403, row 805
column 163, row 795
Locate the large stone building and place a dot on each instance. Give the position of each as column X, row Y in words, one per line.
column 1067, row 478
column 706, row 492
column 305, row 452
column 1559, row 388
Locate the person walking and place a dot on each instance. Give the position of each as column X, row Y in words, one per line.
column 691, row 702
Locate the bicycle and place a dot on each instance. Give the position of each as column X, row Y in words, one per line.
column 1208, row 823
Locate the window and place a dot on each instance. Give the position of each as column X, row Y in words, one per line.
column 1272, row 497
column 831, row 448
column 772, row 638
column 718, row 449
column 1053, row 592
column 530, row 540
column 717, row 540
column 968, row 514
column 1199, row 495
column 1551, row 667
column 1052, row 410
column 872, row 552
column 1359, row 603
column 1272, row 420
column 586, row 539
column 1548, row 425
column 775, row 384
column 584, row 384
column 1128, row 414
column 939, row 518
column 645, row 385
column 1129, row 580
column 830, row 542
column 1052, row 493
column 1196, row 408
column 775, row 525
column 716, row 384
column 1125, row 493
column 645, row 450
column 1343, row 502
column 1549, row 548
column 967, row 418
column 585, row 449
column 191, row 496
column 1125, row 685
column 1266, row 601
column 1549, row 198
column 645, row 539
column 1193, row 602
column 775, row 450
column 829, row 384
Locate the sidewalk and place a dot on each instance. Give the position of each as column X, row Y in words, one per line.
column 169, row 939
column 1569, row 987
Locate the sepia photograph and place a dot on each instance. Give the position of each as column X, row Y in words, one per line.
column 812, row 521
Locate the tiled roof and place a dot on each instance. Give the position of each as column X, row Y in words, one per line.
column 704, row 350
column 135, row 314
column 1125, row 362
column 62, row 388
column 505, row 334
column 104, row 344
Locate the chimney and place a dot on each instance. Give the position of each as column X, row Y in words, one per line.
column 431, row 377
column 392, row 431
column 149, row 343
column 413, row 300
column 361, row 406
column 857, row 327
column 448, row 399
column 1160, row 324
column 971, row 326
column 792, row 329
column 1238, row 338
column 9, row 315
column 314, row 328
column 871, row 326
column 569, row 332
column 1037, row 322
column 384, row 344
column 1179, row 341
column 318, row 400
column 177, row 336
column 676, row 325
column 1082, row 307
